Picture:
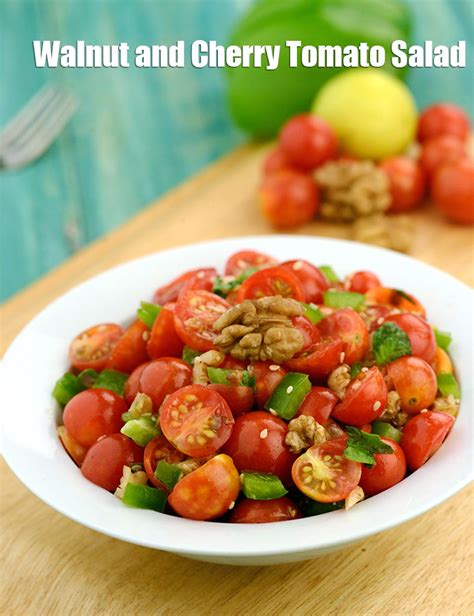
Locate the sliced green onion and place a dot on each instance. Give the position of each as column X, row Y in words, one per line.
column 145, row 497
column 262, row 486
column 141, row 430
column 222, row 376
column 382, row 428
column 189, row 355
column 148, row 313
column 313, row 313
column 448, row 385
column 113, row 380
column 168, row 474
column 289, row 394
column 344, row 299
column 66, row 388
column 329, row 273
column 443, row 339
column 389, row 342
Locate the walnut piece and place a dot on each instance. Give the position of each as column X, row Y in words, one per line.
column 446, row 404
column 354, row 497
column 395, row 232
column 201, row 362
column 393, row 413
column 339, row 380
column 303, row 432
column 128, row 476
column 351, row 189
column 260, row 329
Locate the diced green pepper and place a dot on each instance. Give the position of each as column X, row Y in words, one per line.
column 113, row 380
column 222, row 376
column 262, row 486
column 312, row 508
column 141, row 430
column 313, row 313
column 189, row 355
column 382, row 428
column 443, row 339
column 289, row 394
column 447, row 385
column 356, row 369
column 344, row 299
column 148, row 313
column 66, row 388
column 223, row 287
column 88, row 377
column 168, row 474
column 329, row 273
column 389, row 342
column 145, row 497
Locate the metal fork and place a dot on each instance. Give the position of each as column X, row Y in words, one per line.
column 30, row 133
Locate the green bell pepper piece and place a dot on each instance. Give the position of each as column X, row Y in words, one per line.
column 344, row 299
column 382, row 428
column 289, row 394
column 447, row 385
column 168, row 474
column 443, row 339
column 262, row 486
column 145, row 497
column 148, row 313
column 312, row 313
column 141, row 430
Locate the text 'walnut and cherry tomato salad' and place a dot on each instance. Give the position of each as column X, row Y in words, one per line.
column 268, row 393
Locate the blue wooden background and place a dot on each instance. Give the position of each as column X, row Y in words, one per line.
column 138, row 132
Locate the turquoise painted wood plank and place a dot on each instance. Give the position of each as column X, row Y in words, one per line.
column 138, row 132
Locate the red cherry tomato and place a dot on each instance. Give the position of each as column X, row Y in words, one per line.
column 201, row 278
column 319, row 361
column 365, row 399
column 395, row 298
column 164, row 376
column 208, row 492
column 132, row 386
column 361, row 282
column 347, row 325
column 407, row 183
column 308, row 141
column 415, row 382
column 73, row 448
column 443, row 119
column 422, row 436
column 276, row 161
column 439, row 151
column 324, row 474
column 309, row 330
column 267, row 376
column 375, row 316
column 389, row 469
column 319, row 404
column 422, row 340
column 453, row 191
column 196, row 420
column 230, row 363
column 258, row 512
column 104, row 462
column 130, row 351
column 271, row 281
column 93, row 413
column 92, row 348
column 257, row 443
column 314, row 283
column 288, row 199
column 164, row 340
column 239, row 398
column 156, row 450
column 243, row 260
column 195, row 314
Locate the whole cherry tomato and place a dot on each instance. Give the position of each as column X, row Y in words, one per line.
column 308, row 141
column 104, row 462
column 257, row 443
column 271, row 281
column 375, row 315
column 201, row 278
column 164, row 340
column 288, row 199
column 208, row 492
column 365, row 399
column 156, row 450
column 309, row 330
column 162, row 377
column 422, row 436
column 267, row 377
column 319, row 404
column 93, row 413
column 415, row 382
column 132, row 385
column 312, row 280
column 453, row 191
column 439, row 151
column 130, row 351
column 195, row 314
column 420, row 334
column 361, row 282
column 239, row 398
column 443, row 119
column 346, row 324
column 244, row 260
column 258, row 512
column 318, row 361
column 394, row 298
column 276, row 161
column 407, row 183
column 389, row 469
column 92, row 348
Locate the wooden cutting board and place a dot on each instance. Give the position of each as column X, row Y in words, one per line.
column 53, row 566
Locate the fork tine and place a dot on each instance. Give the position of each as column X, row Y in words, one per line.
column 22, row 119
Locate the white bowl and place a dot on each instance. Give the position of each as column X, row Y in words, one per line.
column 38, row 357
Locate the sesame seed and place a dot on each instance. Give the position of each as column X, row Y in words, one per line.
column 365, row 369
column 356, row 385
column 272, row 411
column 342, row 357
column 232, row 505
column 377, row 405
column 264, row 433
column 201, row 274
column 380, row 320
column 424, row 411
column 297, row 265
column 274, row 367
column 289, row 389
column 146, row 336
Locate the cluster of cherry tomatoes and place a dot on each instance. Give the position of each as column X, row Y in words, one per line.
column 226, row 428
column 289, row 196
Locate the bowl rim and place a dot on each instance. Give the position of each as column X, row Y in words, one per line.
column 226, row 539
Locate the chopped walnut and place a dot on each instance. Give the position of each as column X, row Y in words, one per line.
column 339, row 380
column 128, row 476
column 393, row 413
column 141, row 405
column 395, row 232
column 303, row 432
column 351, row 189
column 202, row 362
column 261, row 329
column 447, row 404
column 354, row 497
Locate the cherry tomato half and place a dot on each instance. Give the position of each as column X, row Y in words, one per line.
column 420, row 334
column 93, row 413
column 267, row 377
column 130, row 351
column 195, row 314
column 308, row 141
column 395, row 298
column 407, row 183
column 365, row 399
column 415, row 382
column 422, row 436
column 156, row 450
column 92, row 348
column 164, row 340
column 324, row 474
column 453, row 191
column 257, row 443
column 288, row 199
column 201, row 278
column 245, row 259
column 346, row 324
column 312, row 280
column 208, row 492
column 196, row 420
column 162, row 377
column 361, row 282
column 271, row 281
column 318, row 361
column 319, row 404
column 389, row 469
column 439, row 151
column 258, row 512
column 443, row 119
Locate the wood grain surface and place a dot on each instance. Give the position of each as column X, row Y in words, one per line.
column 51, row 565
